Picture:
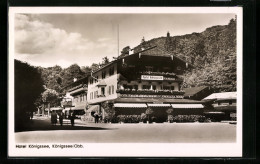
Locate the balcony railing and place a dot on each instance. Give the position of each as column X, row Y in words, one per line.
column 169, row 74
column 78, row 90
column 101, row 95
column 150, row 92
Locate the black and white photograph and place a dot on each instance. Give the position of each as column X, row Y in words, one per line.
column 125, row 81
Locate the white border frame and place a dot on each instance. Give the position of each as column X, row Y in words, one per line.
column 130, row 149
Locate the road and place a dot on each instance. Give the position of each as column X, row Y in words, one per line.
column 41, row 131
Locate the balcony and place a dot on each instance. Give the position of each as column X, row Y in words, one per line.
column 78, row 91
column 101, row 96
column 150, row 92
column 167, row 74
column 66, row 103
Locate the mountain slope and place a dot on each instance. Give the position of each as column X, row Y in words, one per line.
column 212, row 52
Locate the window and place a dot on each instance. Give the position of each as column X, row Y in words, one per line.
column 127, row 86
column 96, row 94
column 96, row 80
column 172, row 87
column 166, row 69
column 149, row 68
column 154, row 87
column 112, row 89
column 91, row 81
column 109, row 90
column 111, row 71
column 103, row 91
column 230, row 102
column 146, row 86
column 103, row 74
column 167, row 87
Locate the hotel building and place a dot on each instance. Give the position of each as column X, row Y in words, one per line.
column 150, row 77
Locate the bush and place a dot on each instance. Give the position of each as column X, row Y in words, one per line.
column 143, row 117
column 170, row 118
column 189, row 118
column 129, row 118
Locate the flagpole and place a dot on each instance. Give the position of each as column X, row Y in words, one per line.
column 117, row 39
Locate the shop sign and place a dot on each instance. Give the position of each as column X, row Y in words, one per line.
column 148, row 77
column 169, row 78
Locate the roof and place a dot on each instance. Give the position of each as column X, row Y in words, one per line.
column 223, row 95
column 187, row 106
column 151, row 51
column 79, row 80
column 194, row 90
column 102, row 83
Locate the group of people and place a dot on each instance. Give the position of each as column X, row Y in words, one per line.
column 60, row 116
column 55, row 116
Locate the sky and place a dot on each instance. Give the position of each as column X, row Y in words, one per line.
column 65, row 39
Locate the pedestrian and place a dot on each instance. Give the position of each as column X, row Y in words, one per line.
column 72, row 117
column 53, row 118
column 96, row 118
column 61, row 118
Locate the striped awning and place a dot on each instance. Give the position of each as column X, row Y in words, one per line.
column 159, row 105
column 214, row 113
column 93, row 108
column 80, row 107
column 187, row 106
column 129, row 105
column 58, row 108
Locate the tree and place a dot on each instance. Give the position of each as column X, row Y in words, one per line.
column 109, row 110
column 28, row 87
column 105, row 60
column 71, row 72
column 94, row 66
column 169, row 112
column 148, row 112
column 125, row 51
column 50, row 97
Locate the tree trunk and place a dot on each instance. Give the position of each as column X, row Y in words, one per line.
column 43, row 109
column 49, row 109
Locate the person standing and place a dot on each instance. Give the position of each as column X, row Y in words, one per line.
column 61, row 118
column 53, row 118
column 72, row 117
column 96, row 118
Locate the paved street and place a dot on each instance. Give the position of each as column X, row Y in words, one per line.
column 41, row 131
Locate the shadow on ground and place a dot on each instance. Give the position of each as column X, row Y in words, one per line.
column 44, row 125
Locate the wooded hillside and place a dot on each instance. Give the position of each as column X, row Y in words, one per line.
column 211, row 52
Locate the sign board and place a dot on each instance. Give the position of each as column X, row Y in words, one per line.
column 148, row 77
column 169, row 78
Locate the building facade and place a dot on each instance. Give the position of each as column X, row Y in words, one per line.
column 225, row 105
column 76, row 97
column 149, row 78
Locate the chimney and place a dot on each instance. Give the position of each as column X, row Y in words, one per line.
column 74, row 79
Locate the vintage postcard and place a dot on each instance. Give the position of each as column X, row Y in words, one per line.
column 125, row 82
